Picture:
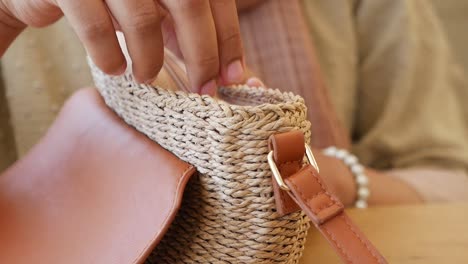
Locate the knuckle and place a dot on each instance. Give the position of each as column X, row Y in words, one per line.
column 230, row 44
column 232, row 39
column 143, row 21
column 95, row 30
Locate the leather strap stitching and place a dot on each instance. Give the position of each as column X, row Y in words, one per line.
column 308, row 200
column 323, row 187
column 323, row 190
column 333, row 202
column 338, row 245
column 364, row 242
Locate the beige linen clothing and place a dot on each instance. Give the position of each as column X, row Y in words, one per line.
column 396, row 87
column 386, row 63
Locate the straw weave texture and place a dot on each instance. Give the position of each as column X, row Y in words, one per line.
column 228, row 212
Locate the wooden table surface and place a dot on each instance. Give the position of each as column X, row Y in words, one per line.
column 436, row 233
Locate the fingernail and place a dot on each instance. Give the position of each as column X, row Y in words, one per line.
column 209, row 88
column 235, row 72
column 120, row 70
column 254, row 82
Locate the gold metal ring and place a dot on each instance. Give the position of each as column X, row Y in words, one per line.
column 277, row 174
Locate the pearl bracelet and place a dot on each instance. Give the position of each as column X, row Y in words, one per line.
column 357, row 169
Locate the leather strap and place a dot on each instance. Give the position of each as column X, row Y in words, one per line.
column 289, row 162
column 325, row 211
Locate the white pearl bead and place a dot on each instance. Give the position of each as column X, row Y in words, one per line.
column 341, row 154
column 361, row 204
column 362, row 180
column 330, row 151
column 363, row 193
column 357, row 169
column 350, row 160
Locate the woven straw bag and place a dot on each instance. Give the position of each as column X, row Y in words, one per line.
column 228, row 212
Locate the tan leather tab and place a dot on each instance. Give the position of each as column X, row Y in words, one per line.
column 94, row 190
column 288, row 152
column 327, row 214
column 287, row 147
column 311, row 193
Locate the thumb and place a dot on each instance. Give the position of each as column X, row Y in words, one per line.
column 252, row 80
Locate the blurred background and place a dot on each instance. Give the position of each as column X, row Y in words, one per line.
column 455, row 20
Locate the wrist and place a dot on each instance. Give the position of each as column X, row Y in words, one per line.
column 358, row 174
column 337, row 177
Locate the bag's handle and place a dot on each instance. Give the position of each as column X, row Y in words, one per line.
column 291, row 64
column 303, row 185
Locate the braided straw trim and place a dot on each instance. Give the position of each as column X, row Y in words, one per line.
column 228, row 211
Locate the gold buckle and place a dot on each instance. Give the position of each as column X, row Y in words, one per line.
column 277, row 174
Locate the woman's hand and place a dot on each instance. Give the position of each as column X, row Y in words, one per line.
column 206, row 32
column 337, row 177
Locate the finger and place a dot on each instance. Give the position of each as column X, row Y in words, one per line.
column 169, row 34
column 140, row 23
column 229, row 41
column 254, row 82
column 93, row 25
column 253, row 79
column 196, row 35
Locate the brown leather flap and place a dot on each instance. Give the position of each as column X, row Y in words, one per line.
column 94, row 190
